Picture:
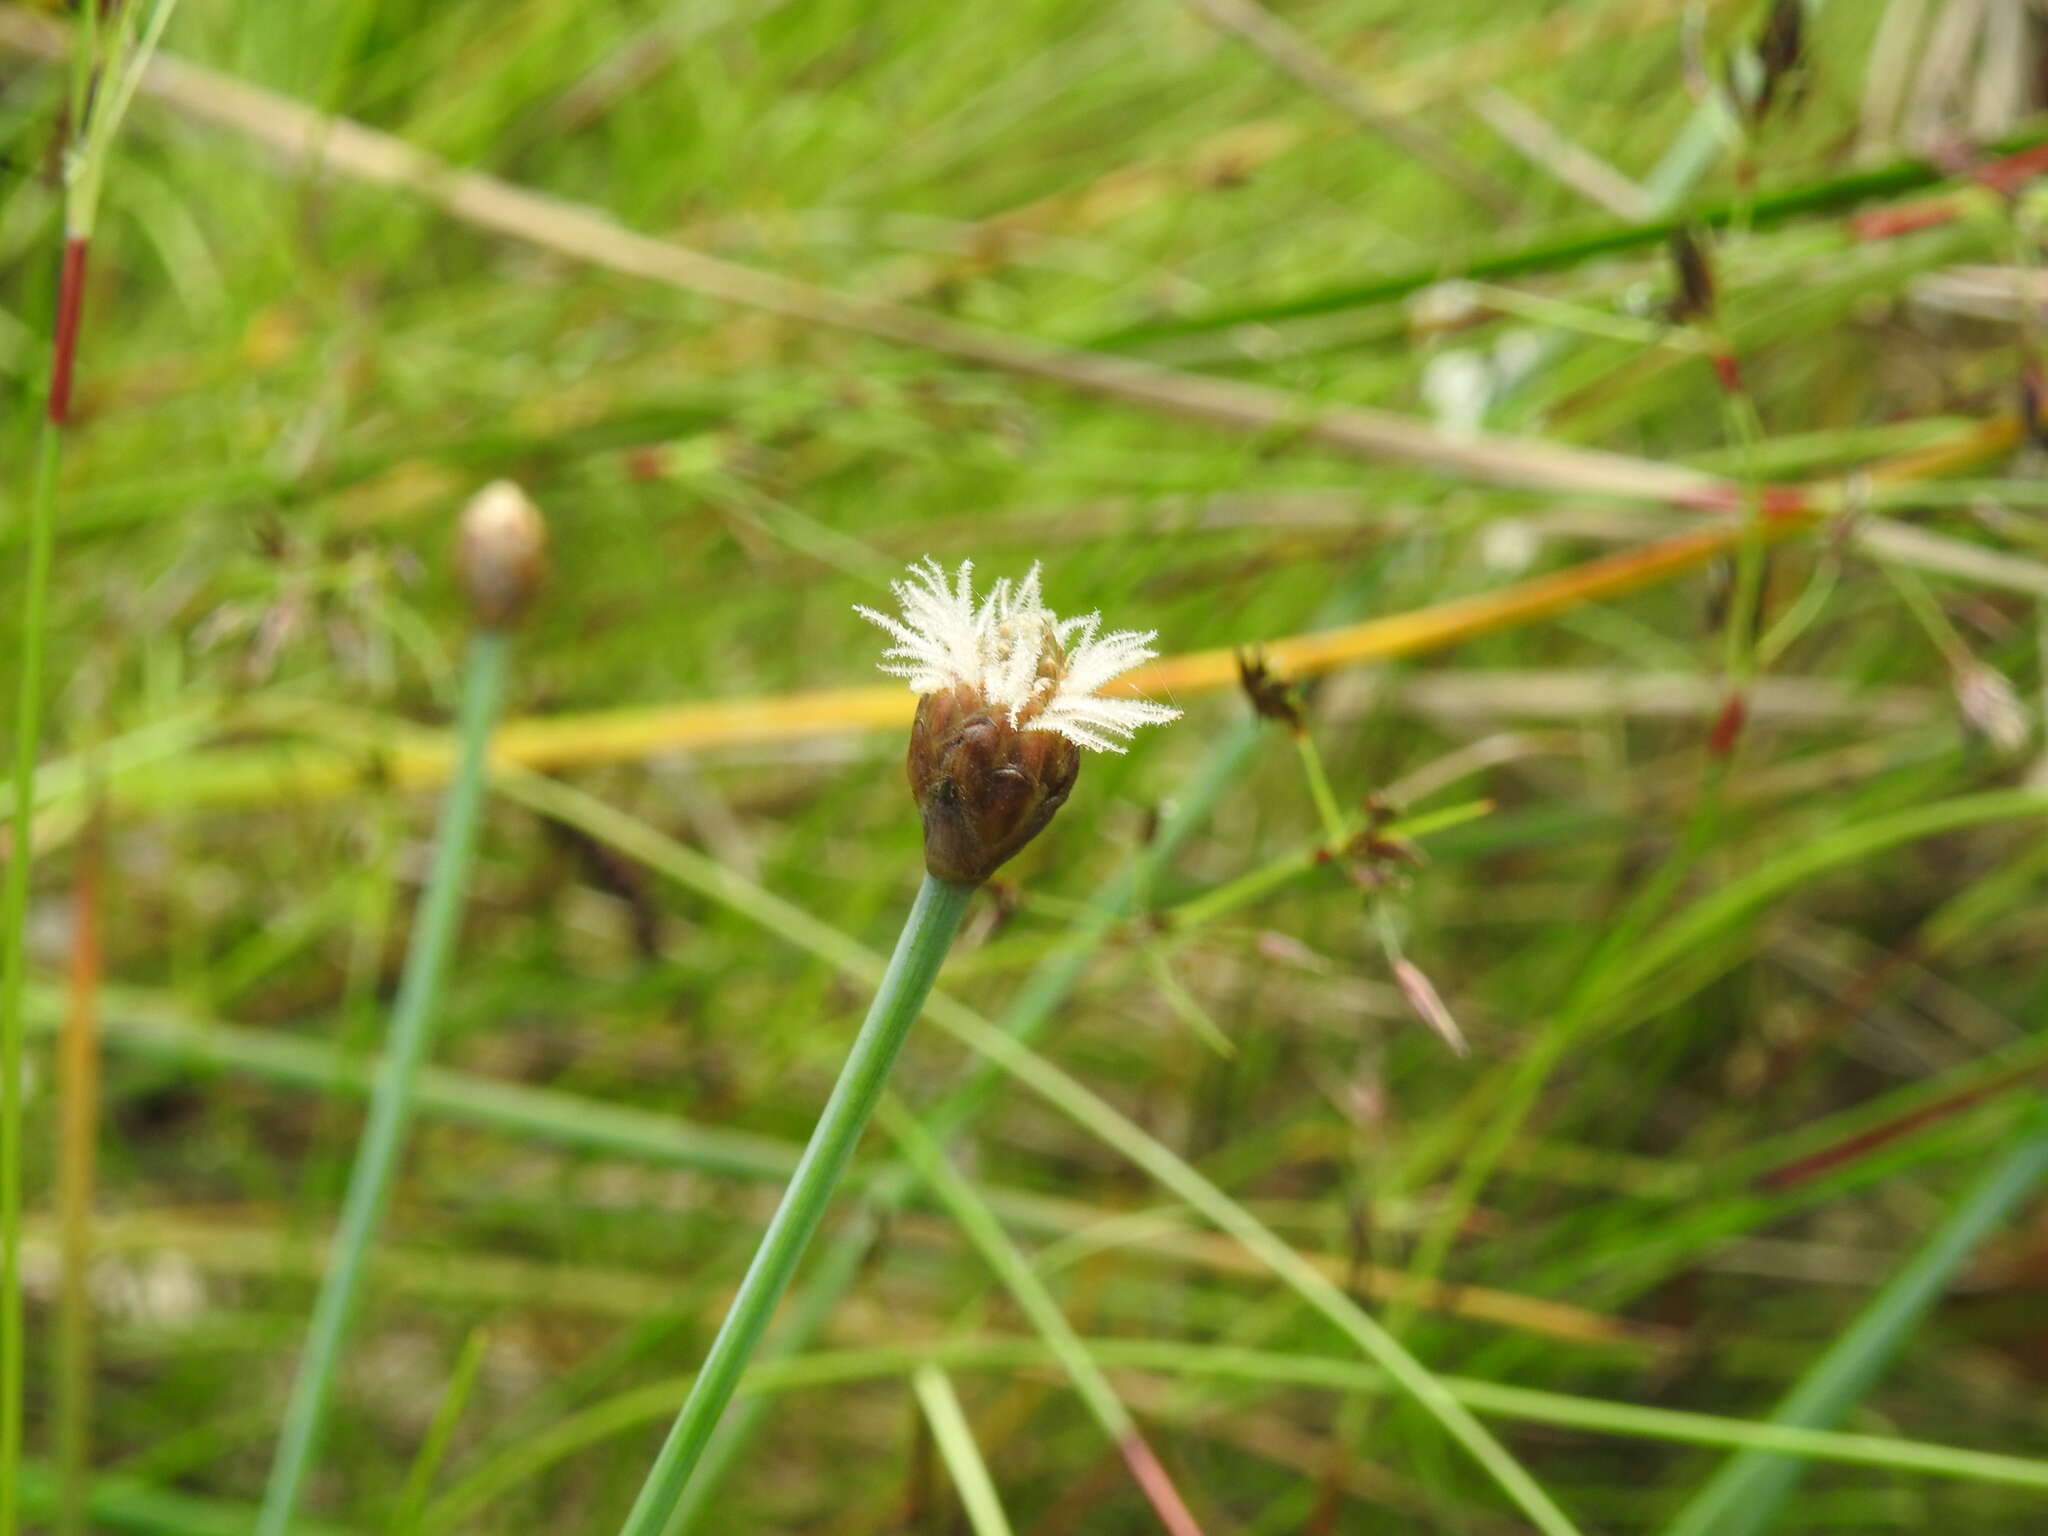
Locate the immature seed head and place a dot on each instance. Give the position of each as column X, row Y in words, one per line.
column 1006, row 701
column 500, row 554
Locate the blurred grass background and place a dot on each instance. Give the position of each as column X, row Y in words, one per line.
column 290, row 380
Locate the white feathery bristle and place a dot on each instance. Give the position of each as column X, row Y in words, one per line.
column 1041, row 670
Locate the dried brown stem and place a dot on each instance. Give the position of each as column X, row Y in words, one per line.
column 1295, row 56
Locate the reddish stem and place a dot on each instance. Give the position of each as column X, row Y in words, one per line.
column 70, row 306
column 1158, row 1488
column 1727, row 727
column 2005, row 177
column 1786, row 501
column 1776, row 502
column 1729, row 372
column 1849, row 1149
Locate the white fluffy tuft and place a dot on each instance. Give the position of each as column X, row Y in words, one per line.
column 1041, row 670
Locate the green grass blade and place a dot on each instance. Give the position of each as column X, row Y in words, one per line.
column 899, row 997
column 1031, row 1012
column 1276, row 1371
column 1551, row 250
column 1748, row 893
column 1095, row 1115
column 1745, row 1497
column 412, row 1498
column 412, row 1017
column 957, row 1449
column 974, row 1218
column 13, row 937
column 1102, row 1120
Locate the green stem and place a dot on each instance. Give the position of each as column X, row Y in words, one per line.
column 839, row 1263
column 1550, row 250
column 980, row 1226
column 426, row 962
column 412, row 1498
column 94, row 122
column 1319, row 789
column 927, row 934
column 1270, row 1371
column 1745, row 1496
column 77, row 1136
column 1746, row 428
column 977, row 1490
column 1029, row 1016
column 28, row 724
column 1229, row 896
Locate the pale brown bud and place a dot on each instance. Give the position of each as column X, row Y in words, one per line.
column 1423, row 998
column 985, row 787
column 1989, row 705
column 500, row 554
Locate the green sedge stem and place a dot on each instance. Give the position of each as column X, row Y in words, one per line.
column 1028, row 1017
column 77, row 1137
column 1532, row 1072
column 1744, row 1497
column 1926, row 612
column 28, row 725
column 1220, row 900
column 94, row 126
column 927, row 935
column 1554, row 250
column 426, row 962
column 1319, row 789
column 1265, row 1370
column 984, row 1230
column 832, row 1275
column 1525, row 1079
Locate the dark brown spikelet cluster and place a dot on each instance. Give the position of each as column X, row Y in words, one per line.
column 1694, row 299
column 985, row 787
column 1271, row 696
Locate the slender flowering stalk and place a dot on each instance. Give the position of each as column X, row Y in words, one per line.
column 1007, row 698
column 103, row 82
column 78, row 1132
column 499, row 557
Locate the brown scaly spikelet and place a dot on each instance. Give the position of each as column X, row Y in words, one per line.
column 1008, row 695
column 984, row 787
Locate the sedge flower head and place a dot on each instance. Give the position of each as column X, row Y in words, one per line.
column 1039, row 670
column 1008, row 695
